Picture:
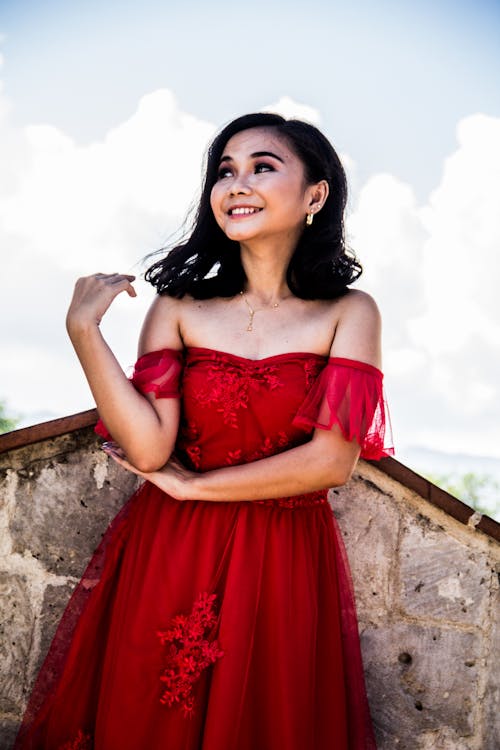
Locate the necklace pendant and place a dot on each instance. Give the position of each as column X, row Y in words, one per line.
column 250, row 327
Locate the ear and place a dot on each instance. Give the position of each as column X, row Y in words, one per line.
column 317, row 194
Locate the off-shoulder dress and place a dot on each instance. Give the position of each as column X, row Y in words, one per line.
column 220, row 625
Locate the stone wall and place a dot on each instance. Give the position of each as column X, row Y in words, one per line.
column 428, row 603
column 427, row 589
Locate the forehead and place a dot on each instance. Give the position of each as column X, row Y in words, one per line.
column 255, row 140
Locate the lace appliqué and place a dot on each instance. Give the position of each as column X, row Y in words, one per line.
column 234, row 457
column 188, row 437
column 271, row 446
column 312, row 369
column 80, row 742
column 229, row 387
column 189, row 652
column 309, row 500
column 194, row 453
column 268, row 447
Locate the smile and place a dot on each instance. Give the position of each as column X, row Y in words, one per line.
column 243, row 211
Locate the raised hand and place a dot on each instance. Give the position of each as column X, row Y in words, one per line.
column 92, row 297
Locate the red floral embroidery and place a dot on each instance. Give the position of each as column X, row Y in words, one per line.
column 80, row 742
column 234, row 457
column 194, row 453
column 189, row 435
column 319, row 497
column 229, row 387
column 190, row 431
column 271, row 446
column 189, row 652
column 312, row 368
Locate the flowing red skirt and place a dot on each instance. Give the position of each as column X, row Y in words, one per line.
column 207, row 626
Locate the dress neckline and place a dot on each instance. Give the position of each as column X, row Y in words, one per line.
column 272, row 357
column 284, row 356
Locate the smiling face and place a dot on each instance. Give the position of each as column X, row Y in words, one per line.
column 261, row 191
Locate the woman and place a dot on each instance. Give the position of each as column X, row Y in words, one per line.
column 223, row 617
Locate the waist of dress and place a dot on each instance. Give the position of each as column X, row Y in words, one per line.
column 307, row 500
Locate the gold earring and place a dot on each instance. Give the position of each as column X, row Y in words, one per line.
column 309, row 219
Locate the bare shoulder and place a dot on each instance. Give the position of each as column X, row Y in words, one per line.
column 358, row 331
column 358, row 304
column 161, row 327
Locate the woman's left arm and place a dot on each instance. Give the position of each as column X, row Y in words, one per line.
column 327, row 460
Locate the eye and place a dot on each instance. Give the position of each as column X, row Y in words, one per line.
column 223, row 172
column 263, row 167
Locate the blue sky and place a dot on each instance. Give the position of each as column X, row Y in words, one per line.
column 390, row 78
column 105, row 111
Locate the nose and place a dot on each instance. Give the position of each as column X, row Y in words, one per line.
column 239, row 185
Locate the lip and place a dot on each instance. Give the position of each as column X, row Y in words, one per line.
column 256, row 210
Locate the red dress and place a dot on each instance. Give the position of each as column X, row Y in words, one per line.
column 220, row 625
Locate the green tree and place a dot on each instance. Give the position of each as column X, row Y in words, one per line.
column 6, row 423
column 472, row 489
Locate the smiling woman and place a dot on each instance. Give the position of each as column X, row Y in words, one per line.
column 218, row 609
column 273, row 186
column 287, row 158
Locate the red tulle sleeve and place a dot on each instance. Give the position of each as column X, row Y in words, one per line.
column 156, row 372
column 350, row 394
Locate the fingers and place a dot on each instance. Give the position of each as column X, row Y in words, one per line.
column 115, row 452
column 92, row 297
column 120, row 282
column 113, row 448
column 115, row 276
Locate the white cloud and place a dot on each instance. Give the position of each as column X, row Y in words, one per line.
column 68, row 209
column 289, row 108
column 109, row 199
column 387, row 233
column 435, row 270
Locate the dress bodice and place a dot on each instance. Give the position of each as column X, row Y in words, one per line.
column 236, row 410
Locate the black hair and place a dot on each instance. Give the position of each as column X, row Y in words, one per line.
column 207, row 264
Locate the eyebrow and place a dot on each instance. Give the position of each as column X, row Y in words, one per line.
column 256, row 155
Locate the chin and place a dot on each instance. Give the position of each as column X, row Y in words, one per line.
column 239, row 235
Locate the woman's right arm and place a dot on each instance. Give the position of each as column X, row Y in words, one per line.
column 144, row 427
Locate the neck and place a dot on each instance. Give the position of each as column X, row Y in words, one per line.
column 265, row 269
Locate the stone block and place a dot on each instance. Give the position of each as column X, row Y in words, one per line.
column 492, row 694
column 16, row 634
column 444, row 739
column 55, row 600
column 64, row 505
column 369, row 523
column 8, row 731
column 440, row 577
column 418, row 681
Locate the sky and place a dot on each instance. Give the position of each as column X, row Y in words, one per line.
column 105, row 113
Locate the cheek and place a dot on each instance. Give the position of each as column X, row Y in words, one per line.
column 215, row 202
column 213, row 199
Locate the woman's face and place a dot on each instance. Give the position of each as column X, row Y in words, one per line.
column 261, row 191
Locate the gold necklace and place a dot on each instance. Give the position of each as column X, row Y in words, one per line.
column 252, row 312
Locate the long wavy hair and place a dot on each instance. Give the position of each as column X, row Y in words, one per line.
column 207, row 264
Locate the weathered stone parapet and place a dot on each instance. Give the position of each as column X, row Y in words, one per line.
column 427, row 590
column 56, row 500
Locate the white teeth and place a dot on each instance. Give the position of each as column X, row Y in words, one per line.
column 243, row 211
